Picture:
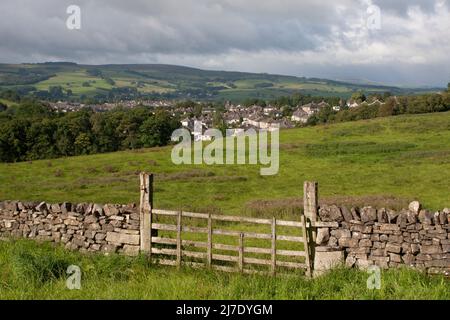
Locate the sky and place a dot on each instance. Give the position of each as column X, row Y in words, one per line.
column 403, row 42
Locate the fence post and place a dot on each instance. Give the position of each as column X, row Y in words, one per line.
column 310, row 207
column 145, row 212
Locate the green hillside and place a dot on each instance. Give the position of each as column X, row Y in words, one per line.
column 385, row 161
column 167, row 82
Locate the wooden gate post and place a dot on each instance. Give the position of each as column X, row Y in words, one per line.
column 310, row 199
column 310, row 207
column 145, row 212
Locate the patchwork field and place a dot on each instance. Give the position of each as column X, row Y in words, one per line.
column 174, row 82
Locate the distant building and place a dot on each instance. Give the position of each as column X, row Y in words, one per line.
column 300, row 115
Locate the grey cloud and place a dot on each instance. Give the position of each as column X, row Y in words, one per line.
column 208, row 33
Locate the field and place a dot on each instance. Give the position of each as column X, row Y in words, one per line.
column 38, row 271
column 386, row 162
column 174, row 82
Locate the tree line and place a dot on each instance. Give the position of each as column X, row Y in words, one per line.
column 31, row 130
column 388, row 106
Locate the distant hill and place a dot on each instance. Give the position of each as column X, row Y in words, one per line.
column 158, row 81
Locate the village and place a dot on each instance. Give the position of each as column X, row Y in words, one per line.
column 237, row 117
column 240, row 118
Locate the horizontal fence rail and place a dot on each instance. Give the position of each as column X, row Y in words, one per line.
column 177, row 251
column 177, row 243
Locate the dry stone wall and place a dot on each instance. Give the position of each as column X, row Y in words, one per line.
column 415, row 237
column 82, row 226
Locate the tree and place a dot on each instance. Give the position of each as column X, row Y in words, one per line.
column 83, row 143
column 358, row 97
column 389, row 108
column 13, row 140
column 157, row 130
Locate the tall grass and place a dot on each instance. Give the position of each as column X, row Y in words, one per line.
column 30, row 270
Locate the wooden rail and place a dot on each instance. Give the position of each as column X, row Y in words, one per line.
column 211, row 258
column 173, row 249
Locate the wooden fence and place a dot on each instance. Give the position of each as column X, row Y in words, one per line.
column 174, row 250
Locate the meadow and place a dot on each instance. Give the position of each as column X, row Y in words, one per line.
column 29, row 270
column 385, row 162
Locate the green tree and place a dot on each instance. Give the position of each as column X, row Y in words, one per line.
column 358, row 97
column 157, row 130
column 83, row 143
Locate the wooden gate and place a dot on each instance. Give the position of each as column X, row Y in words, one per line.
column 223, row 242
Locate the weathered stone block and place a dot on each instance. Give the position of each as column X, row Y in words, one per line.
column 382, row 216
column 392, row 216
column 426, row 217
column 395, row 257
column 350, row 261
column 365, row 243
column 355, row 214
column 408, row 258
column 333, row 242
column 377, row 252
column 395, row 239
column 368, row 214
column 391, row 247
column 415, row 207
column 131, row 250
column 121, row 238
column 330, row 213
column 326, row 260
column 389, row 227
column 348, row 242
column 423, row 257
column 346, row 214
column 431, row 249
column 97, row 208
column 110, row 210
column 90, row 219
column 134, row 216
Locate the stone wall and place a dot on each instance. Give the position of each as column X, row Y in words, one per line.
column 83, row 226
column 368, row 236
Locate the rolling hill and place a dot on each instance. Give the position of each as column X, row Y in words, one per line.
column 170, row 82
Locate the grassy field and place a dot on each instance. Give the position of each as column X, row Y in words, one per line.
column 38, row 271
column 385, row 161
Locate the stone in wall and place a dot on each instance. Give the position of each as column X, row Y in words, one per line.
column 414, row 237
column 88, row 227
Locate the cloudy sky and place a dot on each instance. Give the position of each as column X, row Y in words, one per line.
column 338, row 39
